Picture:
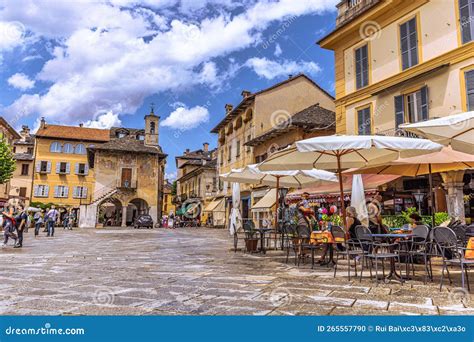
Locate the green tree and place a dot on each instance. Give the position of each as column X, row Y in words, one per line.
column 173, row 188
column 7, row 162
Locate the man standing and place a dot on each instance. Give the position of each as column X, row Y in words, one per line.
column 21, row 220
column 52, row 216
column 9, row 225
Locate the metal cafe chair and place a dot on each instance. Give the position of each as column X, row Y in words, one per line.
column 301, row 242
column 453, row 254
column 376, row 251
column 290, row 239
column 351, row 249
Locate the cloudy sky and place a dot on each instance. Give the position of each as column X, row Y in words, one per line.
column 102, row 63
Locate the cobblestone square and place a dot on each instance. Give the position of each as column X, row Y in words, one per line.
column 192, row 271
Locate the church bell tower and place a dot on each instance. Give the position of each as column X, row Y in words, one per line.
column 151, row 128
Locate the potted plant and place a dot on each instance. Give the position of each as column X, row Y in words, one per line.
column 251, row 240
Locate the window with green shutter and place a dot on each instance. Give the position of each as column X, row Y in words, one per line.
column 362, row 66
column 412, row 107
column 466, row 15
column 469, row 78
column 409, row 44
column 364, row 121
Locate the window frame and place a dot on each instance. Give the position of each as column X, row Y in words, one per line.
column 365, row 106
column 418, row 45
column 55, row 143
column 369, row 67
column 459, row 21
column 23, row 166
column 82, row 146
column 71, row 151
column 463, row 81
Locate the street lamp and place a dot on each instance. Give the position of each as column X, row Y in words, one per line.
column 419, row 198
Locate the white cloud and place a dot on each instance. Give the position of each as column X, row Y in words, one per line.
column 184, row 118
column 269, row 69
column 278, row 50
column 171, row 176
column 11, row 34
column 105, row 120
column 111, row 55
column 21, row 81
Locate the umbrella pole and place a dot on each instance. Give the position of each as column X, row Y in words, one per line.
column 341, row 189
column 432, row 204
column 277, row 204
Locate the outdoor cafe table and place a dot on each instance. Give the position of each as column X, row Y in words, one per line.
column 324, row 237
column 392, row 237
column 262, row 232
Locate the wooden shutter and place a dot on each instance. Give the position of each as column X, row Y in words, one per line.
column 56, row 191
column 46, row 190
column 84, row 192
column 465, row 20
column 58, row 167
column 424, row 103
column 409, row 44
column 358, row 58
column 74, row 191
column 68, row 167
column 469, row 77
column 86, row 169
column 35, row 190
column 399, row 110
column 76, row 168
column 66, row 192
column 48, row 167
column 38, row 166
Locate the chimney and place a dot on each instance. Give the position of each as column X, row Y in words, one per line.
column 205, row 147
column 25, row 132
column 42, row 122
column 81, row 124
column 245, row 93
column 186, row 152
column 290, row 76
column 228, row 108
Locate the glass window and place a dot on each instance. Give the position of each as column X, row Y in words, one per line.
column 469, row 77
column 55, row 147
column 466, row 13
column 42, row 191
column 80, row 149
column 364, row 121
column 362, row 66
column 417, row 105
column 409, row 44
column 61, row 191
column 68, row 148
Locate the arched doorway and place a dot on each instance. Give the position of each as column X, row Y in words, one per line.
column 135, row 208
column 110, row 212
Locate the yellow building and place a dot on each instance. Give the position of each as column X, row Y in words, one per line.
column 402, row 61
column 168, row 205
column 62, row 175
column 257, row 114
column 22, row 180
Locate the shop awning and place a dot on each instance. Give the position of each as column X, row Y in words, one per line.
column 371, row 183
column 215, row 205
column 267, row 201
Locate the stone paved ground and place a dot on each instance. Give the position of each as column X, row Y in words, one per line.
column 190, row 272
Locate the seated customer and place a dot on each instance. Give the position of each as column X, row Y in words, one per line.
column 352, row 221
column 415, row 220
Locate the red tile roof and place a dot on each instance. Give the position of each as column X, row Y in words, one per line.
column 73, row 133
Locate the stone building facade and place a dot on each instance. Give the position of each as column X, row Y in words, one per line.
column 128, row 177
column 9, row 134
column 21, row 184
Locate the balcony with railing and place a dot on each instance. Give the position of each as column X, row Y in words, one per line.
column 397, row 132
column 348, row 10
column 126, row 184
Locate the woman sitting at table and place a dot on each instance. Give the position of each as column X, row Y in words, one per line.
column 374, row 209
column 415, row 220
column 352, row 221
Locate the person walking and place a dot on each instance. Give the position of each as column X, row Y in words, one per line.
column 9, row 225
column 21, row 220
column 52, row 217
column 39, row 220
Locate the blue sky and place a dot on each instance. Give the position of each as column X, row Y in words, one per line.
column 102, row 63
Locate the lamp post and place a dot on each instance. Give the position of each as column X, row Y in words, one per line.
column 419, row 198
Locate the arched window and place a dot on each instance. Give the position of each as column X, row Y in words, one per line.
column 55, row 147
column 68, row 148
column 152, row 127
column 80, row 149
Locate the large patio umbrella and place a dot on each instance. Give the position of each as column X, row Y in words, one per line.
column 456, row 130
column 358, row 198
column 251, row 174
column 338, row 152
column 441, row 161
